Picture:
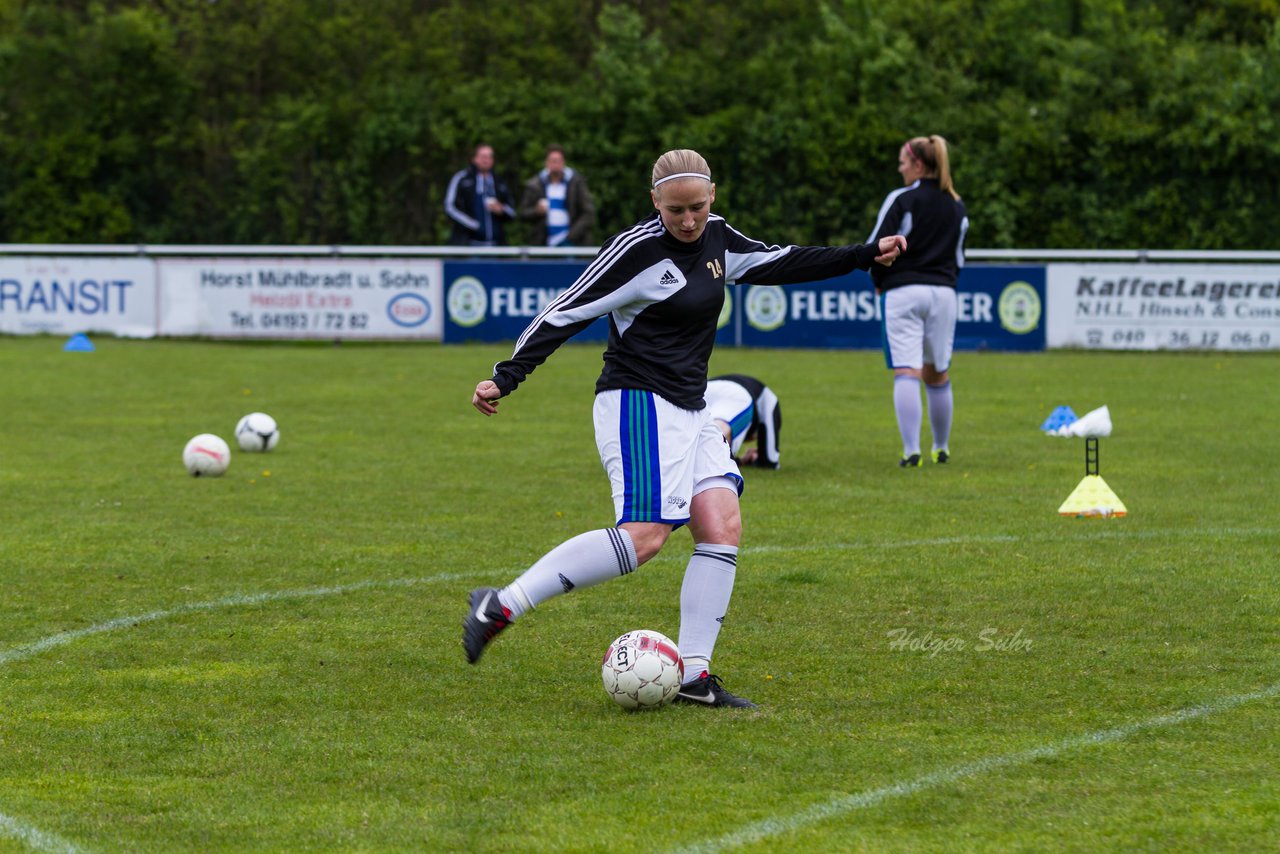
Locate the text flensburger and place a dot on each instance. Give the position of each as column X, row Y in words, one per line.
column 1000, row 308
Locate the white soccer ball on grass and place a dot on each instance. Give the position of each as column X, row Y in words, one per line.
column 257, row 431
column 642, row 670
column 206, row 456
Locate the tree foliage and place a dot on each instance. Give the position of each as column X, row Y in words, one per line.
column 1073, row 123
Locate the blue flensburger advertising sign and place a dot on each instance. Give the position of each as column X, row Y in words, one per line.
column 1001, row 307
column 496, row 301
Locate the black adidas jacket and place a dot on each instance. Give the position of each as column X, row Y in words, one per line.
column 460, row 205
column 663, row 298
column 934, row 224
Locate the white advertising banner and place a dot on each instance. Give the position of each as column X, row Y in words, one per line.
column 1163, row 306
column 301, row 298
column 63, row 296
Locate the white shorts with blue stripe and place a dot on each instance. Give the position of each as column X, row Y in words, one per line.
column 658, row 456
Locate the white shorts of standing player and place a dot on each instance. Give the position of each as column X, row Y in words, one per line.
column 920, row 326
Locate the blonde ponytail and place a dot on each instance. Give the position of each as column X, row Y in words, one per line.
column 942, row 159
column 931, row 153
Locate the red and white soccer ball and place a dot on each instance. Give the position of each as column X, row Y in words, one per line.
column 206, row 456
column 642, row 670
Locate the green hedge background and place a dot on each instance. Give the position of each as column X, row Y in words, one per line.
column 1073, row 123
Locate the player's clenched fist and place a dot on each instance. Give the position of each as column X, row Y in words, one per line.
column 890, row 248
column 486, row 397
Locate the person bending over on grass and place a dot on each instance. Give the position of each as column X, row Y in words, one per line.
column 661, row 282
column 745, row 408
column 918, row 296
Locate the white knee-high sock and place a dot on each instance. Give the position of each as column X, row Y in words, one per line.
column 906, row 403
column 585, row 560
column 939, row 413
column 704, row 599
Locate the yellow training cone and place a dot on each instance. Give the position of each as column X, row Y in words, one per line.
column 1092, row 498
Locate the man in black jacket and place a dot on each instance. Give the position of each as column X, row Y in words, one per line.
column 478, row 202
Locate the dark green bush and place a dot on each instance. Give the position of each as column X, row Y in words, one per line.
column 1073, row 123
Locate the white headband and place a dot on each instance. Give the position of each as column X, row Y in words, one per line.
column 681, row 175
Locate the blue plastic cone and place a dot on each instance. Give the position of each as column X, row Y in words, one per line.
column 1060, row 417
column 78, row 343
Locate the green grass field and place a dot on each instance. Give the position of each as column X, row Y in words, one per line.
column 270, row 661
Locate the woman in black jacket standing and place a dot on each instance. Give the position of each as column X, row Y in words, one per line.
column 918, row 293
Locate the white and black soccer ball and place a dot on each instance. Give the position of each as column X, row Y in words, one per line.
column 206, row 456
column 257, row 431
column 642, row 670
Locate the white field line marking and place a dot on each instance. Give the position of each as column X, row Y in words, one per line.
column 19, row 653
column 849, row 803
column 34, row 838
column 26, row 651
column 39, row 840
column 875, row 546
column 1114, row 534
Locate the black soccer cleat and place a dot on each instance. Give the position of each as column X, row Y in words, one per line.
column 706, row 690
column 911, row 462
column 941, row 456
column 485, row 618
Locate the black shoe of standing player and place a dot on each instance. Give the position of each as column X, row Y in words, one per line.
column 485, row 618
column 706, row 690
column 911, row 462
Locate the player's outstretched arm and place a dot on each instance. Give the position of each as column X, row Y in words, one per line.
column 890, row 248
column 486, row 397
